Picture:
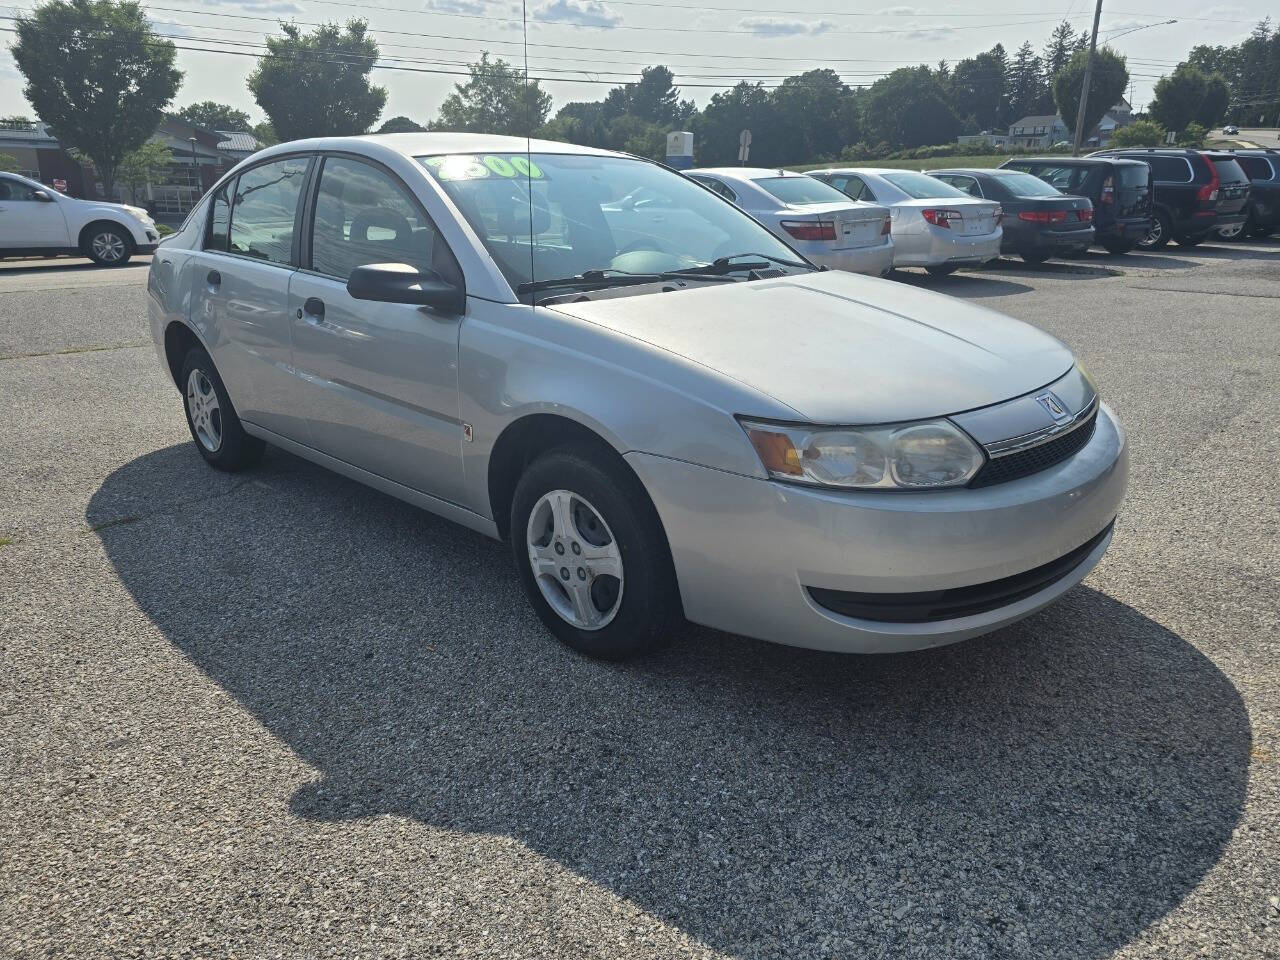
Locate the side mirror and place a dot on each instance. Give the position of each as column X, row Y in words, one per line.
column 42, row 196
column 402, row 283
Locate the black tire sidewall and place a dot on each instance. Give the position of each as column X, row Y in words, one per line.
column 650, row 607
column 238, row 449
column 125, row 239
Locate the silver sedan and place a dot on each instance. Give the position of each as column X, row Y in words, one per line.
column 935, row 226
column 662, row 426
column 819, row 221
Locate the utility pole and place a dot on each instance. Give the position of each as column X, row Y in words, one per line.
column 1088, row 78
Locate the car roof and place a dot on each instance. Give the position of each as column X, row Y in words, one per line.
column 1161, row 151
column 1073, row 161
column 745, row 173
column 865, row 171
column 425, row 144
column 977, row 171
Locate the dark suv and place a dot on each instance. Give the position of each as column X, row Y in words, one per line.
column 1262, row 167
column 1197, row 192
column 1119, row 189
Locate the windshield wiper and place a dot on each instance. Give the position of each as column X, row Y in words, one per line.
column 606, row 277
column 726, row 265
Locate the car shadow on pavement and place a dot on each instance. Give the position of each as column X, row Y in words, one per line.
column 63, row 265
column 961, row 284
column 1047, row 791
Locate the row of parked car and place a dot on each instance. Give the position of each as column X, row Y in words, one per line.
column 1035, row 207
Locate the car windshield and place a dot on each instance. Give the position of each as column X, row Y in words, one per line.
column 801, row 190
column 545, row 216
column 919, row 186
column 1025, row 185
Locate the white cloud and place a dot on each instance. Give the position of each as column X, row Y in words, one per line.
column 586, row 13
column 257, row 6
column 473, row 8
column 918, row 31
column 784, row 27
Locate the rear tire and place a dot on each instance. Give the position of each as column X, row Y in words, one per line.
column 1160, row 233
column 108, row 245
column 1194, row 240
column 212, row 420
column 604, row 584
column 1117, row 247
column 942, row 269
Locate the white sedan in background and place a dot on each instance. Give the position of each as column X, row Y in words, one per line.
column 813, row 218
column 38, row 221
column 935, row 226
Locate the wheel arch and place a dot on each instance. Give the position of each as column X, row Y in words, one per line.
column 178, row 340
column 82, row 241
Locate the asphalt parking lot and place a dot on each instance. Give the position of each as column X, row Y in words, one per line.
column 279, row 715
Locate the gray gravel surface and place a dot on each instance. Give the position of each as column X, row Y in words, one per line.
column 279, row 715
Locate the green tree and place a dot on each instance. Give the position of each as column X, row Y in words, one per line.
column 1178, row 98
column 1214, row 103
column 909, row 108
column 745, row 106
column 9, row 163
column 400, row 125
column 1110, row 77
column 1057, row 51
column 1025, row 85
column 1140, row 133
column 1193, row 135
column 495, row 99
column 654, row 99
column 265, row 133
column 215, row 116
column 809, row 115
column 140, row 167
column 317, row 84
column 978, row 90
column 98, row 75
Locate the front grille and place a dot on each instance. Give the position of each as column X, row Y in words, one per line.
column 1033, row 460
column 932, row 605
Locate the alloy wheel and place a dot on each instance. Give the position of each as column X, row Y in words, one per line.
column 108, row 246
column 575, row 559
column 1154, row 234
column 204, row 411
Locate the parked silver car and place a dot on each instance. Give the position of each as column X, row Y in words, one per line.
column 818, row 220
column 935, row 226
column 700, row 426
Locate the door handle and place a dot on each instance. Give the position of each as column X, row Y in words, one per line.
column 312, row 309
column 214, row 278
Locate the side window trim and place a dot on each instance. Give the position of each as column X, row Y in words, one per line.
column 228, row 187
column 311, row 196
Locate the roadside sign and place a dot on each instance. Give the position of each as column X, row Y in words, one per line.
column 744, row 146
column 59, row 185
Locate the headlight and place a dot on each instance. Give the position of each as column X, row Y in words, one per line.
column 900, row 456
column 139, row 213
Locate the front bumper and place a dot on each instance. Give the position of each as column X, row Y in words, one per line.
column 747, row 551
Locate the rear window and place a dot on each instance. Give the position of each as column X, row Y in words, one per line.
column 1258, row 168
column 1169, row 169
column 1229, row 171
column 1025, row 185
column 1132, row 176
column 801, row 190
column 919, row 186
column 1065, row 177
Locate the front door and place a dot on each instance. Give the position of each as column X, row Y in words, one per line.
column 26, row 221
column 382, row 378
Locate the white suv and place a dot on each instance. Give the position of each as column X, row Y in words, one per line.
column 36, row 220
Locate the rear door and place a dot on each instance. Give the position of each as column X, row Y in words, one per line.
column 381, row 379
column 1233, row 188
column 239, row 285
column 1132, row 189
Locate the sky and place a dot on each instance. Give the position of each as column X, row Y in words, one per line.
column 582, row 47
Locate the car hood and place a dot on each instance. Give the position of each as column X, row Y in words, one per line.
column 840, row 348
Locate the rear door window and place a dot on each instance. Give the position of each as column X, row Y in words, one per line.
column 1258, row 168
column 265, row 208
column 220, row 219
column 1229, row 171
column 1169, row 169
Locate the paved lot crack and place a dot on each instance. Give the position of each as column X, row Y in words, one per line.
column 70, row 350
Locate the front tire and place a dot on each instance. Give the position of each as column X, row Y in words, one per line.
column 108, row 245
column 212, row 420
column 942, row 270
column 591, row 554
column 1193, row 240
column 1117, row 247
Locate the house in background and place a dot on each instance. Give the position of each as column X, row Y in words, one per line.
column 199, row 157
column 1042, row 131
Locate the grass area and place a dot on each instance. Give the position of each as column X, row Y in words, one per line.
column 929, row 163
column 6, row 541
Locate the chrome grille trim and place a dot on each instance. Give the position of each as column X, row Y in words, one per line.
column 1003, row 448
